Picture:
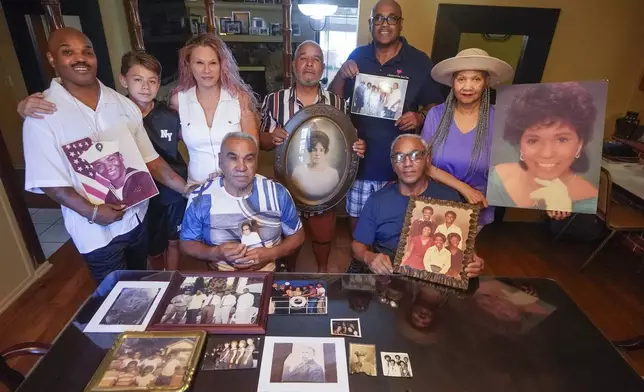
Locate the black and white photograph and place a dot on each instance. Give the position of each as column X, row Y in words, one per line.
column 258, row 22
column 128, row 307
column 360, row 282
column 309, row 364
column 224, row 22
column 264, row 31
column 316, row 162
column 395, row 364
column 276, row 29
column 235, row 27
column 362, row 359
column 297, row 31
column 144, row 361
column 224, row 353
column 298, row 297
column 110, row 173
column 204, row 300
column 346, row 327
column 244, row 18
column 379, row 96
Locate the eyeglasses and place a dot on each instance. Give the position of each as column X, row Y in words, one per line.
column 391, row 20
column 414, row 156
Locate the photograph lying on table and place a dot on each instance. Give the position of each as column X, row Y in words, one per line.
column 145, row 361
column 298, row 297
column 221, row 302
column 110, row 172
column 547, row 146
column 437, row 241
column 224, row 353
column 395, row 364
column 128, row 307
column 346, row 327
column 379, row 96
column 362, row 359
column 295, row 364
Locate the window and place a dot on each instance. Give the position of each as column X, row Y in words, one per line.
column 338, row 39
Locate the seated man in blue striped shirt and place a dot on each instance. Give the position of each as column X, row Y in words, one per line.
column 223, row 210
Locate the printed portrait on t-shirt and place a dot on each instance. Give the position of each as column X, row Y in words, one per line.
column 379, row 96
column 316, row 160
column 110, row 173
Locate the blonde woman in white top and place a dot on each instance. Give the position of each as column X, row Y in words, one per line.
column 212, row 101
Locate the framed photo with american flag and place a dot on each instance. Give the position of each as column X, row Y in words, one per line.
column 109, row 174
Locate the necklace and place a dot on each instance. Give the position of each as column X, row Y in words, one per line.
column 96, row 129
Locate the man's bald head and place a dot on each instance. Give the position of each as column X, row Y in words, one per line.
column 386, row 23
column 308, row 64
column 71, row 54
column 389, row 5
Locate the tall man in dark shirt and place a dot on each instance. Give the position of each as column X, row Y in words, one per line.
column 388, row 55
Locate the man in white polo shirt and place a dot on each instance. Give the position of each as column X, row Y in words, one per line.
column 109, row 236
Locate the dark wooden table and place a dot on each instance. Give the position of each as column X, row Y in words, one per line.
column 476, row 341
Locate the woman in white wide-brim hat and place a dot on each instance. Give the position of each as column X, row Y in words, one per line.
column 459, row 131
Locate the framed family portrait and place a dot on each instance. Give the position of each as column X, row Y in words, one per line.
column 437, row 241
column 379, row 96
column 316, row 162
column 218, row 302
column 296, row 364
column 128, row 307
column 110, row 172
column 145, row 361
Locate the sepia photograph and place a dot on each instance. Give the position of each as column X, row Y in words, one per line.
column 437, row 241
column 298, row 297
column 128, row 307
column 379, row 96
column 110, row 173
column 362, row 359
column 395, row 364
column 303, row 364
column 149, row 361
column 346, row 327
column 547, row 146
column 224, row 353
column 244, row 18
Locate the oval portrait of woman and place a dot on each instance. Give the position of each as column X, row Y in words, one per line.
column 316, row 161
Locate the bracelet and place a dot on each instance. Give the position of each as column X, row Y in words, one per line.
column 423, row 115
column 91, row 220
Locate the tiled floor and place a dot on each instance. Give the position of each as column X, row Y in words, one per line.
column 50, row 229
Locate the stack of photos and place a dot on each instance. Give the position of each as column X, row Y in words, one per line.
column 149, row 361
column 216, row 303
column 298, row 297
column 437, row 241
column 128, row 307
column 379, row 96
column 296, row 364
column 346, row 327
column 362, row 359
column 395, row 364
column 231, row 354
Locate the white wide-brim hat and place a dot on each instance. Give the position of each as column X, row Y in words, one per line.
column 472, row 59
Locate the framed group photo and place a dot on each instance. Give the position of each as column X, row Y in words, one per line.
column 437, row 241
column 144, row 361
column 379, row 96
column 219, row 302
column 226, row 353
column 316, row 162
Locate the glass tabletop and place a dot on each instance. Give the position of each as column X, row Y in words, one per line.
column 503, row 335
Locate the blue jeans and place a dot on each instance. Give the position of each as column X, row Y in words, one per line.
column 127, row 251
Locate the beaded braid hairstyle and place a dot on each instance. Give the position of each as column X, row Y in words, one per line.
column 482, row 127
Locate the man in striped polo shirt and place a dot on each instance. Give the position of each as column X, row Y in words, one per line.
column 281, row 106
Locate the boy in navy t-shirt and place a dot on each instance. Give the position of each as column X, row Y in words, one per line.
column 140, row 75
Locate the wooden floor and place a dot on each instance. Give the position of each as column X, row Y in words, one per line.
column 609, row 291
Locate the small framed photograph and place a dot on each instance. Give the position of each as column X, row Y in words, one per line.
column 295, row 27
column 276, row 29
column 258, row 22
column 224, row 21
column 219, row 302
column 244, row 18
column 195, row 24
column 346, row 327
column 395, row 364
column 128, row 307
column 225, row 353
column 298, row 297
column 264, row 31
column 437, row 241
column 379, row 96
column 362, row 359
column 296, row 364
column 235, row 27
column 144, row 361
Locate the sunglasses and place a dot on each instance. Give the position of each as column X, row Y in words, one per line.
column 399, row 157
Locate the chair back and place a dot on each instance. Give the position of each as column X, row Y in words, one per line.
column 604, row 196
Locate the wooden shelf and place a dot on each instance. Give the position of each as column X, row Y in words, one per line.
column 255, row 38
column 252, row 68
column 224, row 5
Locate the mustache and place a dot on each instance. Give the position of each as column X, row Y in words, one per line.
column 81, row 63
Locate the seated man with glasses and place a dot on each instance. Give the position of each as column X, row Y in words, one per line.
column 376, row 236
